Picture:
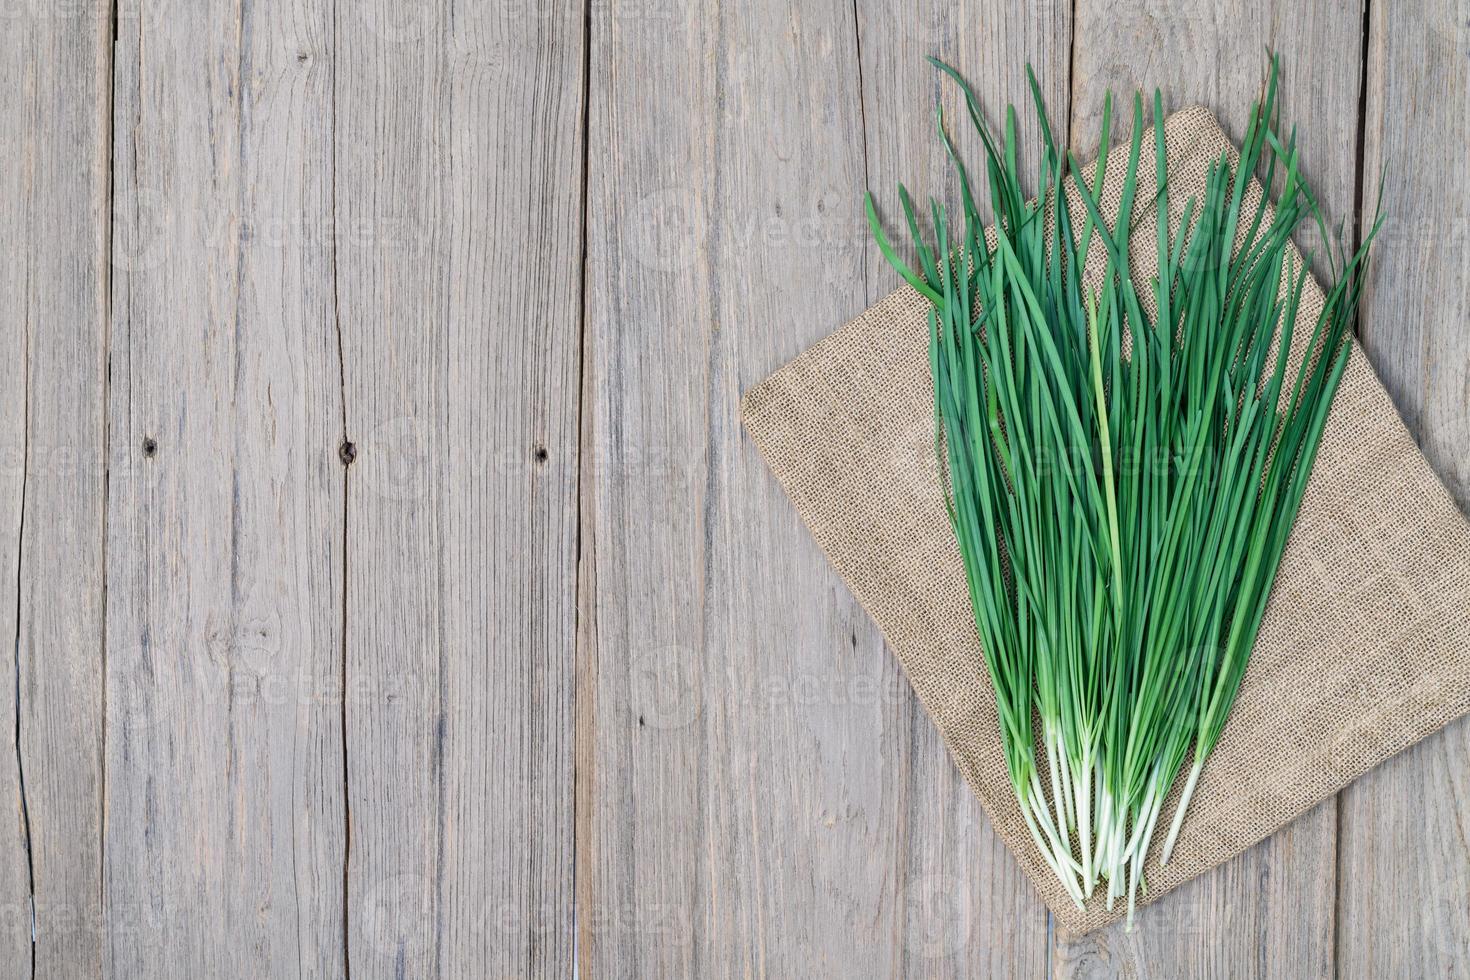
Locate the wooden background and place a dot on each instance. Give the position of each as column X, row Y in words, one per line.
column 395, row 592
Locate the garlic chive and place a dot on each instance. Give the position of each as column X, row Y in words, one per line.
column 1124, row 462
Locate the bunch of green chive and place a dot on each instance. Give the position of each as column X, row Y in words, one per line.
column 1122, row 482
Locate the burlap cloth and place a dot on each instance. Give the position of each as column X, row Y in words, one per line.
column 1365, row 648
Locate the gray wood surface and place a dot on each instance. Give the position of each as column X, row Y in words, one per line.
column 15, row 267
column 1404, row 854
column 744, row 819
column 224, row 544
column 54, row 116
column 394, row 592
column 458, row 203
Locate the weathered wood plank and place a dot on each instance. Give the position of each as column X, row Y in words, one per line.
column 53, row 217
column 225, row 830
column 968, row 909
column 1279, row 896
column 459, row 179
column 745, row 805
column 1404, row 890
column 15, row 268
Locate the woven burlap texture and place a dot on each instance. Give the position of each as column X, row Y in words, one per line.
column 1365, row 648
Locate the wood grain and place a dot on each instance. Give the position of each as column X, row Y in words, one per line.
column 54, row 117
column 1279, row 896
column 969, row 908
column 742, row 761
column 15, row 269
column 224, row 822
column 1404, row 860
column 459, row 168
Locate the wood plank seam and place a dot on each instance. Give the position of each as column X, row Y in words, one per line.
column 1357, row 239
column 25, row 469
column 584, row 579
column 348, row 455
column 105, row 265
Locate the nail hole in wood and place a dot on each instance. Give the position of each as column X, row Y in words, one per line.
column 347, row 452
column 150, row 448
column 541, row 454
